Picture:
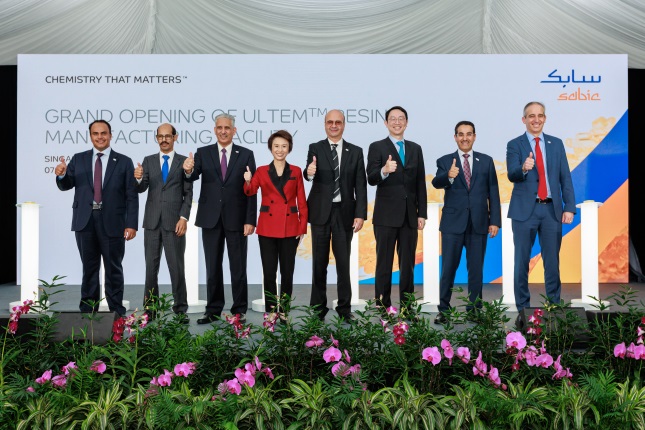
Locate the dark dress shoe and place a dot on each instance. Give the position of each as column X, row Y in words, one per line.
column 208, row 318
column 441, row 319
column 182, row 318
column 348, row 318
column 519, row 323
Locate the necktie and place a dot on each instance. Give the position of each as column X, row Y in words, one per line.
column 164, row 168
column 98, row 179
column 467, row 173
column 539, row 161
column 401, row 153
column 223, row 163
column 336, row 165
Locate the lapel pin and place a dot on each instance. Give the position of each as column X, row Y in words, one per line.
column 237, row 152
column 476, row 158
column 114, row 159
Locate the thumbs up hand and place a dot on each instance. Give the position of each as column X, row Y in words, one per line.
column 61, row 168
column 390, row 166
column 247, row 175
column 311, row 169
column 189, row 164
column 138, row 172
column 528, row 163
column 454, row 170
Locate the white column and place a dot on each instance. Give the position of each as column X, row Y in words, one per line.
column 191, row 264
column 357, row 304
column 508, row 261
column 431, row 251
column 589, row 254
column 29, row 252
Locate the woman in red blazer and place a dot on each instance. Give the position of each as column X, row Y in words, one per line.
column 283, row 216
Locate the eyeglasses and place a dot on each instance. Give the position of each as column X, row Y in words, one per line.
column 400, row 119
column 165, row 136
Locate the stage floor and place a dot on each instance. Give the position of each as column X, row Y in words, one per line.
column 68, row 299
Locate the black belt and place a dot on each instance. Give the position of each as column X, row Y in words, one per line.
column 336, row 204
column 97, row 206
column 545, row 201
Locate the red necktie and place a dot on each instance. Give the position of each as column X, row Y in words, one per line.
column 467, row 174
column 539, row 161
column 98, row 179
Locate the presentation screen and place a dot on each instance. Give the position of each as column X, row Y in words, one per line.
column 585, row 98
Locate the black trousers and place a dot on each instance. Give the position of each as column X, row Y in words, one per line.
column 275, row 250
column 94, row 243
column 333, row 234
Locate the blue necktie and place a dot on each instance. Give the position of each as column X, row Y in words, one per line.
column 401, row 153
column 164, row 168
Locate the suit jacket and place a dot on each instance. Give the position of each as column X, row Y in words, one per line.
column 403, row 190
column 283, row 212
column 353, row 184
column 224, row 197
column 481, row 201
column 120, row 199
column 525, row 186
column 166, row 203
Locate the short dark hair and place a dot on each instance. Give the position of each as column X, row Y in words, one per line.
column 460, row 123
column 283, row 134
column 533, row 103
column 387, row 112
column 102, row 121
column 174, row 131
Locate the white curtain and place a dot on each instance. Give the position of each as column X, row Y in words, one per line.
column 322, row 27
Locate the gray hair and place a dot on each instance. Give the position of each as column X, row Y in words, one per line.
column 226, row 116
column 534, row 103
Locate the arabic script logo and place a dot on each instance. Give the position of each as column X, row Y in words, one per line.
column 579, row 94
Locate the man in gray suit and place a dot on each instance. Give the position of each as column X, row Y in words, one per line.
column 165, row 220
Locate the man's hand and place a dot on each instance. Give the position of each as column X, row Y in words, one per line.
column 61, row 168
column 248, row 229
column 189, row 164
column 492, row 230
column 129, row 233
column 454, row 170
column 528, row 163
column 421, row 222
column 389, row 167
column 311, row 169
column 181, row 227
column 358, row 224
column 138, row 172
column 567, row 217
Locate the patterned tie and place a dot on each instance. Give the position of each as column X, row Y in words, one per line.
column 467, row 174
column 336, row 165
column 98, row 179
column 539, row 161
column 401, row 153
column 223, row 163
column 164, row 168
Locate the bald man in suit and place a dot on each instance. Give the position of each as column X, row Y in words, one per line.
column 165, row 220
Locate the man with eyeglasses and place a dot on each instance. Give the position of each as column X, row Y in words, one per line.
column 471, row 211
column 165, row 220
column 395, row 166
column 105, row 215
column 337, row 209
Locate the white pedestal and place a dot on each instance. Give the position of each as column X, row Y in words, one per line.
column 357, row 303
column 191, row 262
column 29, row 252
column 508, row 261
column 431, row 269
column 589, row 254
column 258, row 304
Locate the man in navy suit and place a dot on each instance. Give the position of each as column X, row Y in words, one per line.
column 105, row 214
column 471, row 210
column 543, row 199
column 225, row 214
column 165, row 220
column 395, row 165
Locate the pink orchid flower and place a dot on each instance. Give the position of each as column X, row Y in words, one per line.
column 69, row 366
column 544, row 360
column 234, row 386
column 184, row 369
column 340, row 369
column 314, row 342
column 384, row 325
column 639, row 352
column 432, row 355
column 392, row 311
column 245, row 377
column 516, row 340
column 98, row 366
column 59, row 381
column 493, row 376
column 332, row 354
column 30, row 389
column 620, row 350
column 334, row 341
column 448, row 352
column 46, row 377
column 464, row 354
column 166, row 379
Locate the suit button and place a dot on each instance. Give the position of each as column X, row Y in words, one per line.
column 287, row 214
column 270, row 214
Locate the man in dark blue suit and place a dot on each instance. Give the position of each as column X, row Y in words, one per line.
column 542, row 200
column 471, row 211
column 225, row 214
column 105, row 214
